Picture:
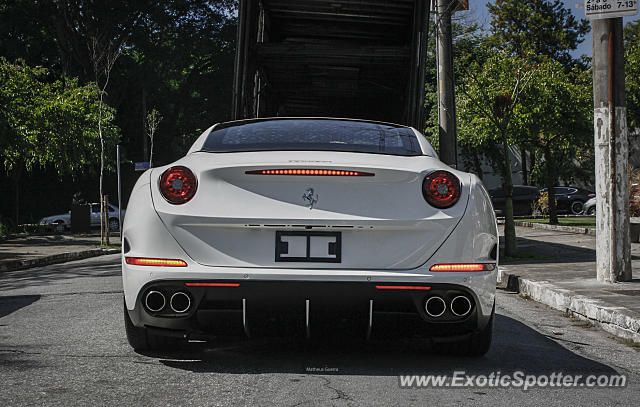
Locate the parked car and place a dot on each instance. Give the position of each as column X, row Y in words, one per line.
column 297, row 218
column 64, row 220
column 590, row 206
column 524, row 197
column 571, row 199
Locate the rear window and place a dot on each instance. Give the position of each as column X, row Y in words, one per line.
column 314, row 135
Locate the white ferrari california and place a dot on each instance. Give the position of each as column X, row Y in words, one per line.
column 286, row 223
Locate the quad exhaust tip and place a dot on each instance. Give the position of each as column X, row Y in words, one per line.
column 460, row 306
column 155, row 301
column 435, row 306
column 180, row 302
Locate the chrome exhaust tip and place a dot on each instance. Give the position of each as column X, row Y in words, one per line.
column 180, row 302
column 155, row 301
column 460, row 306
column 435, row 306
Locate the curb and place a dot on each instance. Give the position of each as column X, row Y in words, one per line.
column 558, row 228
column 615, row 320
column 13, row 265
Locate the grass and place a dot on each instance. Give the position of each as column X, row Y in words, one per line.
column 578, row 221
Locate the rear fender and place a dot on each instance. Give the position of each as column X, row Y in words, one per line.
column 146, row 236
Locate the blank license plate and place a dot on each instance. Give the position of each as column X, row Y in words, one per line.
column 320, row 247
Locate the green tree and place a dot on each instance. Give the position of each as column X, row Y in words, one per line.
column 537, row 27
column 632, row 71
column 490, row 115
column 537, row 30
column 556, row 112
column 178, row 54
column 48, row 123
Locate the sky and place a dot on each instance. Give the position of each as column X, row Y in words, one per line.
column 478, row 12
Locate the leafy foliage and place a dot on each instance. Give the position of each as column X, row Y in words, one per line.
column 176, row 57
column 632, row 71
column 634, row 192
column 48, row 122
column 542, row 28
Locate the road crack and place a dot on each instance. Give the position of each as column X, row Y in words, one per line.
column 340, row 395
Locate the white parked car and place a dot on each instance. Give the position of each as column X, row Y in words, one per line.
column 294, row 219
column 64, row 220
column 590, row 206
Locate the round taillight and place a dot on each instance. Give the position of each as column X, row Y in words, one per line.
column 178, row 185
column 441, row 189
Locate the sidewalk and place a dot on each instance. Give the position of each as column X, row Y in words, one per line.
column 34, row 251
column 562, row 275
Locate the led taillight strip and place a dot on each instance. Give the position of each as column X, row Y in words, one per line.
column 144, row 261
column 462, row 267
column 402, row 287
column 212, row 284
column 310, row 172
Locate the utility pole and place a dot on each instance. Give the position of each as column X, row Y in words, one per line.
column 613, row 257
column 446, row 96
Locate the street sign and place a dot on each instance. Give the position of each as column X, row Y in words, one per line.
column 595, row 9
column 141, row 166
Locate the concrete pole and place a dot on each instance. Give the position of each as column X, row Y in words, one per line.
column 446, row 96
column 613, row 257
column 119, row 191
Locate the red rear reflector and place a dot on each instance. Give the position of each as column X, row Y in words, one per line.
column 462, row 267
column 143, row 261
column 311, row 171
column 402, row 287
column 212, row 284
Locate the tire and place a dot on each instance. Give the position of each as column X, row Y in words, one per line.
column 137, row 337
column 114, row 224
column 140, row 339
column 475, row 346
column 577, row 207
column 591, row 210
column 60, row 225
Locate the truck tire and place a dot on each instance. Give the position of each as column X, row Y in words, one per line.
column 475, row 346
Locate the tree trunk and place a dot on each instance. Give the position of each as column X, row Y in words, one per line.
column 17, row 181
column 103, row 237
column 105, row 204
column 478, row 165
column 550, row 181
column 532, row 161
column 510, row 245
column 145, row 145
column 17, row 177
column 525, row 173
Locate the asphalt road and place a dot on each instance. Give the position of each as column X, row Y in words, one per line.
column 62, row 342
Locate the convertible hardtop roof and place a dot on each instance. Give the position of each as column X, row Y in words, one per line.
column 234, row 123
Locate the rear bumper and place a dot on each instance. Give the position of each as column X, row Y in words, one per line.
column 248, row 306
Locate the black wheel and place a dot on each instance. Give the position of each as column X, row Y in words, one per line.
column 137, row 337
column 577, row 207
column 591, row 210
column 475, row 346
column 114, row 224
column 140, row 339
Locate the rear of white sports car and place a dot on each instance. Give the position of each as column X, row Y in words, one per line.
column 284, row 225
